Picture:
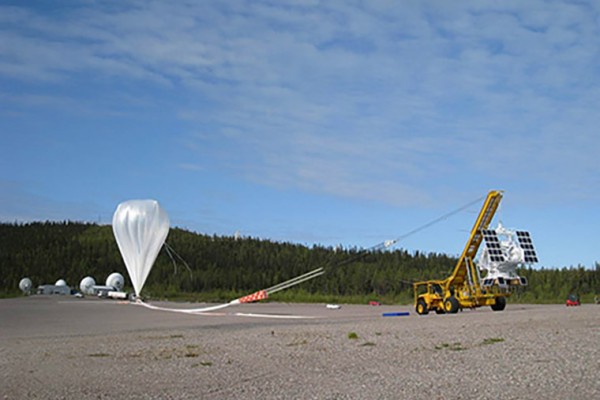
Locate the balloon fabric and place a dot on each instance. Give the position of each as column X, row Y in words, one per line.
column 140, row 228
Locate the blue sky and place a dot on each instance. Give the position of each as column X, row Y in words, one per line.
column 310, row 122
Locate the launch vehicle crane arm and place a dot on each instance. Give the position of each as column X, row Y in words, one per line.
column 465, row 265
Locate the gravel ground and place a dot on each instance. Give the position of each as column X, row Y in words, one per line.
column 64, row 348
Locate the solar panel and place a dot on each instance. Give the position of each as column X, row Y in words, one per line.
column 526, row 244
column 493, row 245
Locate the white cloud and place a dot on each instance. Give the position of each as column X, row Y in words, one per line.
column 366, row 101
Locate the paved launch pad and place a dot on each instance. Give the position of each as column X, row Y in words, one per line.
column 62, row 347
column 45, row 316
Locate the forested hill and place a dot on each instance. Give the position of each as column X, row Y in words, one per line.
column 224, row 267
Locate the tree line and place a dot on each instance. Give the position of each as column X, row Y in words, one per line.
column 222, row 268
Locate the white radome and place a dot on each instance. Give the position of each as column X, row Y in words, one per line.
column 25, row 285
column 60, row 282
column 87, row 285
column 116, row 280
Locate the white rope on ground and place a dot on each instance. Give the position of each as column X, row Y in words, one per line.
column 207, row 311
column 274, row 316
column 187, row 310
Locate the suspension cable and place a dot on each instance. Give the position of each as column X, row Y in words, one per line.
column 170, row 250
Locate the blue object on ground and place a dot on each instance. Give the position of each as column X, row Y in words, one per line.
column 396, row 314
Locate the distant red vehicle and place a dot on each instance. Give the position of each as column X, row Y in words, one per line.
column 573, row 300
column 374, row 303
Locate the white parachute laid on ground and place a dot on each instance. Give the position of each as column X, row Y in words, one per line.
column 140, row 228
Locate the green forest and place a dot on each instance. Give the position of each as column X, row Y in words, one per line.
column 214, row 268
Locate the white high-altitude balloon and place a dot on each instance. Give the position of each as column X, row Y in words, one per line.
column 140, row 228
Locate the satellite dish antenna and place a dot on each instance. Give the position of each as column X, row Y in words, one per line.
column 25, row 285
column 116, row 280
column 87, row 285
column 60, row 282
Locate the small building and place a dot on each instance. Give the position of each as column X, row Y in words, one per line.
column 53, row 289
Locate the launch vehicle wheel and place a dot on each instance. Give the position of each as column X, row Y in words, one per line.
column 500, row 304
column 451, row 305
column 422, row 308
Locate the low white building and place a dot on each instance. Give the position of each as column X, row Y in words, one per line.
column 53, row 289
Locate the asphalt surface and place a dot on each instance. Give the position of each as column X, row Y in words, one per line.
column 56, row 347
column 48, row 316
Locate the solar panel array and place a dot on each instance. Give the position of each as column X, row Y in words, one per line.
column 527, row 246
column 493, row 245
